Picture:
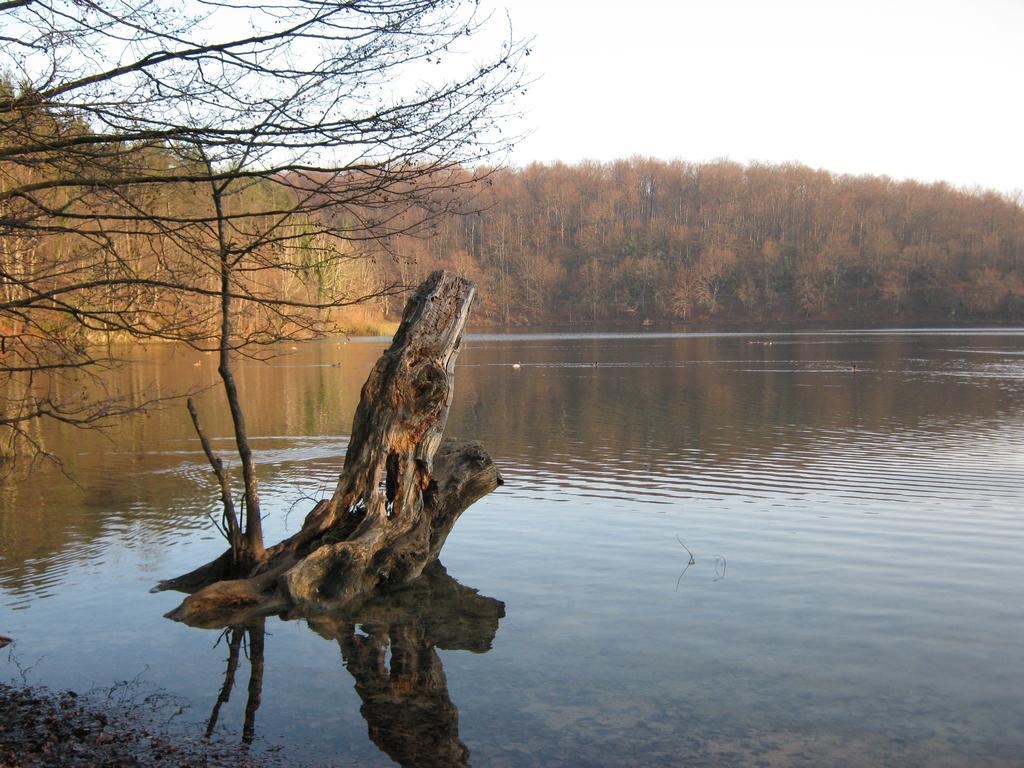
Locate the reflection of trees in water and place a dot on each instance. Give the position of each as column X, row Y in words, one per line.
column 715, row 402
column 646, row 401
column 160, row 487
column 389, row 645
column 255, row 633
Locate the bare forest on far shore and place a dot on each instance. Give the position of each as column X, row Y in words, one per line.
column 632, row 241
column 644, row 239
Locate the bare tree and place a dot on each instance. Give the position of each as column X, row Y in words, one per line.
column 208, row 172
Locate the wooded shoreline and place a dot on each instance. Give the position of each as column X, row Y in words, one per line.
column 671, row 241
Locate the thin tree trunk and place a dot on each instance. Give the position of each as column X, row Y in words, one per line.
column 253, row 521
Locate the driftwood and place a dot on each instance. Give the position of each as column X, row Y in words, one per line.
column 399, row 494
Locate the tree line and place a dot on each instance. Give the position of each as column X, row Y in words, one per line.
column 648, row 240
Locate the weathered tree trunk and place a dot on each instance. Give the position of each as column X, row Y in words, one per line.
column 398, row 496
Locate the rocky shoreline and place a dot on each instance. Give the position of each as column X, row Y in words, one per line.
column 44, row 728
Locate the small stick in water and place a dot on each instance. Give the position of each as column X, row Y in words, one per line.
column 692, row 561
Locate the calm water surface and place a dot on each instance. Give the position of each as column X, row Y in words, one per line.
column 853, row 503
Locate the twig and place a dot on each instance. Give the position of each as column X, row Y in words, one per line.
column 303, row 496
column 680, row 579
column 719, row 575
column 23, row 671
column 692, row 561
column 233, row 533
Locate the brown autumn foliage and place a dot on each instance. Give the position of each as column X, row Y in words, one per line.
column 169, row 173
column 674, row 241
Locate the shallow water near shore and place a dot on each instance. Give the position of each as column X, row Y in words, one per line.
column 852, row 503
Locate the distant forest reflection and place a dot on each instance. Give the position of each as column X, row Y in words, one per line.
column 666, row 416
column 863, row 487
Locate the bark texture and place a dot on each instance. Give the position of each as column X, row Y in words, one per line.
column 399, row 494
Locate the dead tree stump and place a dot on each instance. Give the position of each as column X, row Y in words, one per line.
column 399, row 494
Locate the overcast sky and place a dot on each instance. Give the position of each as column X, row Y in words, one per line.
column 926, row 90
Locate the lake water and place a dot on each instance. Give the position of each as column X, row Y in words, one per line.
column 853, row 503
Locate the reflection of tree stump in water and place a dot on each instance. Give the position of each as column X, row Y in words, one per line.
column 408, row 711
column 407, row 708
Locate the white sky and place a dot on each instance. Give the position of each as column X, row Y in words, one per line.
column 926, row 90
